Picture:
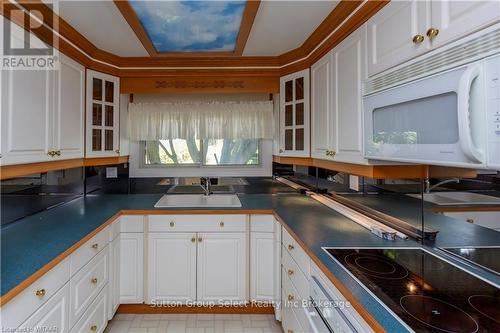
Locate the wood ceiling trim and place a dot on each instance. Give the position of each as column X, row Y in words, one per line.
column 251, row 9
column 213, row 64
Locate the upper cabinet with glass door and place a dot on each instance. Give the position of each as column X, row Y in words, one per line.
column 294, row 114
column 102, row 139
column 403, row 30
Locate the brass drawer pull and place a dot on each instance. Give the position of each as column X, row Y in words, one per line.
column 289, row 331
column 93, row 328
column 417, row 39
column 290, row 272
column 40, row 292
column 221, row 224
column 193, row 239
column 93, row 281
column 470, row 220
column 290, row 247
column 290, row 297
column 95, row 246
column 172, row 224
column 200, row 239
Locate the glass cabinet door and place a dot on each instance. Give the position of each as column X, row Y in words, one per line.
column 294, row 124
column 102, row 122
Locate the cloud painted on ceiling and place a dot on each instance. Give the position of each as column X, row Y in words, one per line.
column 192, row 25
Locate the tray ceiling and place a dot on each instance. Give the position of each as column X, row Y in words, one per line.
column 196, row 26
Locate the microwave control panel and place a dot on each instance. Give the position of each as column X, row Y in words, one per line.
column 492, row 77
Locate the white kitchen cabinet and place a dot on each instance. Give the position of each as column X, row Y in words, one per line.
column 323, row 122
column 171, row 267
column 349, row 73
column 403, row 30
column 103, row 117
column 455, row 19
column 124, row 137
column 131, row 267
column 42, row 114
column 391, row 32
column 485, row 219
column 277, row 270
column 53, row 314
column 221, row 266
column 69, row 116
column 294, row 114
column 114, row 276
column 262, row 266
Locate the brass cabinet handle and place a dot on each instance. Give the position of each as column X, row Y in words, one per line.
column 57, row 153
column 417, row 39
column 281, row 150
column 289, row 331
column 193, row 239
column 93, row 328
column 117, row 151
column 470, row 220
column 290, row 247
column 93, row 281
column 172, row 224
column 40, row 292
column 290, row 297
column 290, row 272
column 330, row 153
column 432, row 32
column 221, row 224
column 95, row 246
column 200, row 239
column 51, row 153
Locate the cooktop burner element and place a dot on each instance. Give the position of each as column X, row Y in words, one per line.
column 486, row 305
column 438, row 314
column 426, row 292
column 376, row 266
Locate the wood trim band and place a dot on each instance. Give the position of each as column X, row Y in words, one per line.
column 251, row 8
column 413, row 171
column 251, row 308
column 139, row 308
column 210, row 64
column 17, row 170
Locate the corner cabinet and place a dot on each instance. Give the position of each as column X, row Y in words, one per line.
column 294, row 114
column 103, row 115
column 42, row 114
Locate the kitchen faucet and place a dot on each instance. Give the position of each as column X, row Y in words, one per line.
column 205, row 185
column 429, row 188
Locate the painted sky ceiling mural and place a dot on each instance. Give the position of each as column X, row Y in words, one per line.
column 191, row 25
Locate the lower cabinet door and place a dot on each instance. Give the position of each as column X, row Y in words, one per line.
column 131, row 267
column 262, row 266
column 221, row 267
column 171, row 267
column 95, row 318
column 52, row 316
column 114, row 276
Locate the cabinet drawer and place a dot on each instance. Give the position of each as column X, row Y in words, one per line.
column 53, row 314
column 132, row 223
column 197, row 223
column 292, row 299
column 27, row 302
column 297, row 253
column 262, row 223
column 87, row 251
column 86, row 284
column 290, row 322
column 292, row 271
column 94, row 320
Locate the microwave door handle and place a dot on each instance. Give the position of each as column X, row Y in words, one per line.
column 463, row 105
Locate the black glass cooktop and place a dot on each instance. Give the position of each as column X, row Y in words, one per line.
column 427, row 293
column 487, row 257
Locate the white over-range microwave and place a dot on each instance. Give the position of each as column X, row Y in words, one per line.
column 450, row 118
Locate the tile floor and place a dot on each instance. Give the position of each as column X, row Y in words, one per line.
column 194, row 323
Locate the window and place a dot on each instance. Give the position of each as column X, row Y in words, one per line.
column 212, row 152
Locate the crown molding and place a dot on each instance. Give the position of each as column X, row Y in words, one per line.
column 346, row 17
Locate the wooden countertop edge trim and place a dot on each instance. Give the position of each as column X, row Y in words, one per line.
column 465, row 209
column 243, row 309
column 347, row 294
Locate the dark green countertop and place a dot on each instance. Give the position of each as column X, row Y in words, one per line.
column 29, row 244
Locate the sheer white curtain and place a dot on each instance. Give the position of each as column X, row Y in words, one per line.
column 201, row 120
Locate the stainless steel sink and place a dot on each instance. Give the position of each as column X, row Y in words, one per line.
column 198, row 200
column 458, row 198
column 197, row 189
